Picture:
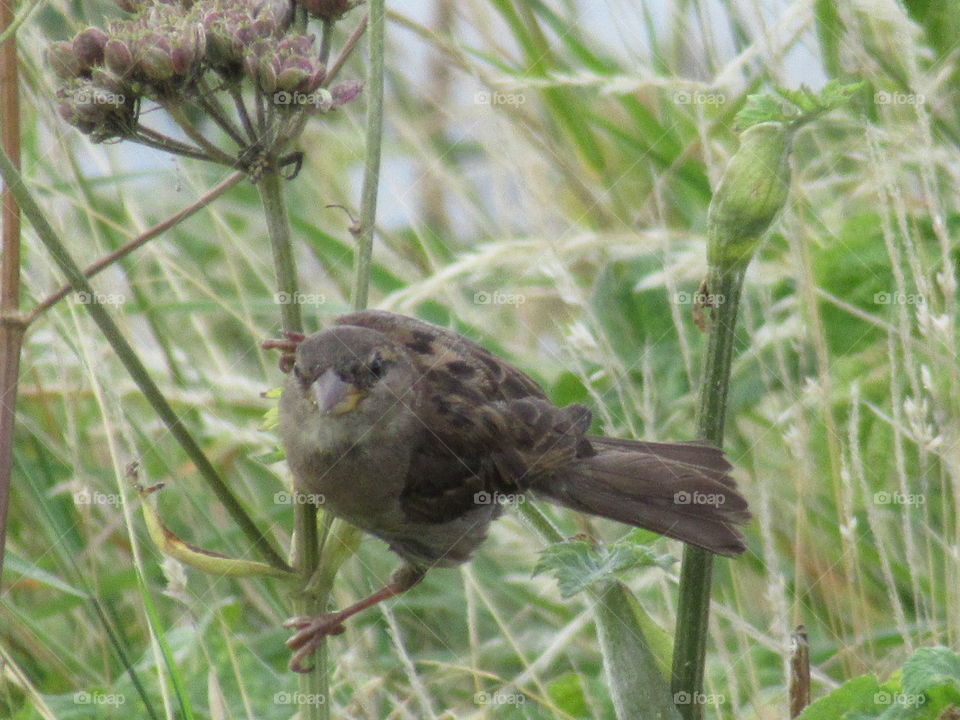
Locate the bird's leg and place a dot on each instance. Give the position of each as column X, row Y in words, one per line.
column 287, row 348
column 312, row 631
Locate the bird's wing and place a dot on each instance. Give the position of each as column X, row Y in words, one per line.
column 488, row 429
column 447, row 359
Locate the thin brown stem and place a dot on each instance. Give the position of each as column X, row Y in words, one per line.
column 11, row 329
column 121, row 252
column 345, row 51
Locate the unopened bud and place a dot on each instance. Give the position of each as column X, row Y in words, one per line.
column 751, row 193
column 118, row 57
column 156, row 63
column 63, row 60
column 88, row 46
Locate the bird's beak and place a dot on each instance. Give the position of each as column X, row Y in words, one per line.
column 334, row 396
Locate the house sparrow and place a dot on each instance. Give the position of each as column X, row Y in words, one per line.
column 412, row 433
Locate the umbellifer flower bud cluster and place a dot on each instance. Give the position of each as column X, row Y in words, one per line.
column 249, row 54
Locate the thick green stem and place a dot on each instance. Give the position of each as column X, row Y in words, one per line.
column 132, row 363
column 693, row 612
column 278, row 228
column 314, row 684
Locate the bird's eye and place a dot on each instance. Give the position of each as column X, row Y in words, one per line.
column 297, row 373
column 376, row 366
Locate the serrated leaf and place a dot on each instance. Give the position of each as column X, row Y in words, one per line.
column 794, row 106
column 577, row 564
column 759, row 109
column 931, row 667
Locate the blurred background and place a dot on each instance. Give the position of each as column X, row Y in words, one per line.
column 547, row 170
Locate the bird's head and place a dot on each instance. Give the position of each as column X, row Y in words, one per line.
column 352, row 370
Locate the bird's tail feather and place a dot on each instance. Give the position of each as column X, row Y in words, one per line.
column 681, row 490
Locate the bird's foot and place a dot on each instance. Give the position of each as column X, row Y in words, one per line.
column 311, row 633
column 287, row 348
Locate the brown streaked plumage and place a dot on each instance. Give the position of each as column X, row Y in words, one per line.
column 408, row 431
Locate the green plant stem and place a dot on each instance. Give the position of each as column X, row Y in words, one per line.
column 159, row 141
column 207, row 100
column 693, row 612
column 371, row 170
column 134, row 366
column 278, row 228
column 175, row 110
column 540, row 522
column 316, row 682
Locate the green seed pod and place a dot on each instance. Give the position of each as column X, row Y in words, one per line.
column 751, row 193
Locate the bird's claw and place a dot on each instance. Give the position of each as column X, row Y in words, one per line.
column 311, row 633
column 287, row 348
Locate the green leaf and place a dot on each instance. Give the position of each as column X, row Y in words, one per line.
column 25, row 569
column 271, row 418
column 929, row 668
column 271, row 457
column 637, row 687
column 580, row 563
column 759, row 109
column 854, row 696
column 795, row 106
column 567, row 694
